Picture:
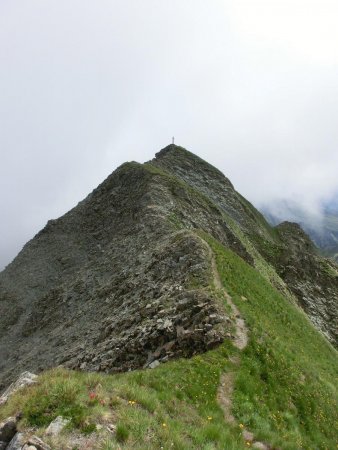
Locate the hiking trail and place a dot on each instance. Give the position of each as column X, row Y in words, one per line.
column 226, row 386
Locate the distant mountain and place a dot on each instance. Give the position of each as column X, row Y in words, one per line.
column 322, row 228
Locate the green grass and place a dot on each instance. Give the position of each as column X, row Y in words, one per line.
column 122, row 433
column 173, row 406
column 285, row 385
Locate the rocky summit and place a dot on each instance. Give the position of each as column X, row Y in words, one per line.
column 124, row 279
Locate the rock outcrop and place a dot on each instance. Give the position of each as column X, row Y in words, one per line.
column 25, row 379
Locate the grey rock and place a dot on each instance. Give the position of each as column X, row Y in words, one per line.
column 56, row 426
column 7, row 429
column 36, row 442
column 260, row 445
column 17, row 442
column 248, row 436
column 25, row 379
column 3, row 445
column 154, row 364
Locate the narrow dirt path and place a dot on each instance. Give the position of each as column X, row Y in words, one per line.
column 241, row 331
column 224, row 395
column 226, row 386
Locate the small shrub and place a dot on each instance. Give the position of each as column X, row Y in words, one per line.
column 88, row 428
column 122, row 433
column 59, row 399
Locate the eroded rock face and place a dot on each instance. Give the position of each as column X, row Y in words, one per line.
column 153, row 311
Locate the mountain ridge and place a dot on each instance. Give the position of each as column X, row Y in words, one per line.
column 165, row 266
column 135, row 199
column 93, row 255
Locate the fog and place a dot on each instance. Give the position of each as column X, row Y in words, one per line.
column 251, row 86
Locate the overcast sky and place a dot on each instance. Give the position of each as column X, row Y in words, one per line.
column 251, row 86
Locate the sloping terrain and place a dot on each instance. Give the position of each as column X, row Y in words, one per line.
column 284, row 390
column 311, row 278
column 132, row 277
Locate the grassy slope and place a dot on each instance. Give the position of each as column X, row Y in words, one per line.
column 285, row 388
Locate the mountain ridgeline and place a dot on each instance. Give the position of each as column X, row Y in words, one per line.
column 124, row 278
column 321, row 227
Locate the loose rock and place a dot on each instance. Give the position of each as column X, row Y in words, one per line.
column 25, row 379
column 7, row 429
column 260, row 446
column 37, row 443
column 17, row 442
column 154, row 364
column 248, row 436
column 56, row 426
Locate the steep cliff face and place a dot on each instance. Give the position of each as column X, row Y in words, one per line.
column 123, row 279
